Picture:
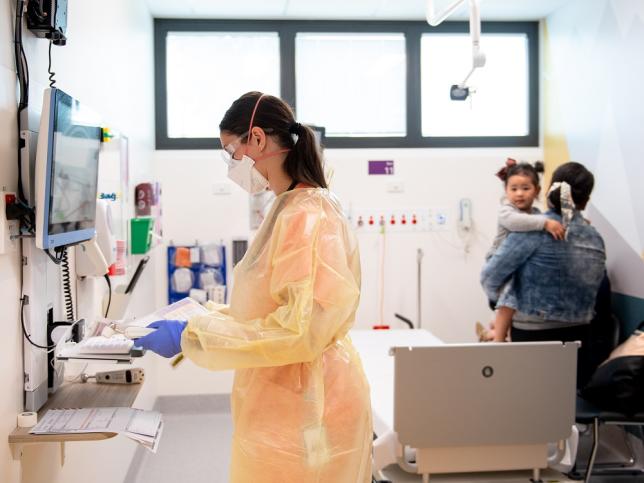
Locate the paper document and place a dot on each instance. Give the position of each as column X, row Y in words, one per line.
column 184, row 309
column 144, row 427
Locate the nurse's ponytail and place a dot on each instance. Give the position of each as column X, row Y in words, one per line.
column 303, row 162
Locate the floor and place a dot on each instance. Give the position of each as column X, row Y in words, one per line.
column 197, row 432
column 195, row 444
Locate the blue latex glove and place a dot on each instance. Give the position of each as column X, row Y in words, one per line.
column 166, row 340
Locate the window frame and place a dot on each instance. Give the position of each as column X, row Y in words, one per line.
column 412, row 30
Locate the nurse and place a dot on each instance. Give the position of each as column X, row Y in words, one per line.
column 300, row 400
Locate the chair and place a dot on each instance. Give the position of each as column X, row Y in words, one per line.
column 591, row 415
column 587, row 413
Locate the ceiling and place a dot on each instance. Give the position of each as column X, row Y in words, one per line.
column 346, row 9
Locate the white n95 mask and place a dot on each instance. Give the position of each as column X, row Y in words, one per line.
column 243, row 173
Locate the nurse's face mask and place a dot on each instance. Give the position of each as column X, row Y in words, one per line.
column 243, row 171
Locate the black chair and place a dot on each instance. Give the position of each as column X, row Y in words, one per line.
column 595, row 417
column 605, row 332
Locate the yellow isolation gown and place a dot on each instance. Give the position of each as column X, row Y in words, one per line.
column 301, row 406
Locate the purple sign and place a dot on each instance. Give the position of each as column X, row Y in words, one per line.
column 381, row 167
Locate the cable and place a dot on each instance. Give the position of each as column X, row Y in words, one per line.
column 22, row 73
column 78, row 376
column 59, row 371
column 67, row 288
column 54, row 259
column 52, row 80
column 456, row 246
column 109, row 294
column 405, row 320
column 19, row 53
column 382, row 274
column 61, row 367
column 24, row 300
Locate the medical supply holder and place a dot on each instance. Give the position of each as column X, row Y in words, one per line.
column 196, row 267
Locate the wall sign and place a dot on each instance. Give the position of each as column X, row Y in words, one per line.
column 381, row 167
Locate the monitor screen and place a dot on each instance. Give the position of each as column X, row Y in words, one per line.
column 76, row 144
column 66, row 171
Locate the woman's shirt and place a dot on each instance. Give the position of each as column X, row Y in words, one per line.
column 554, row 283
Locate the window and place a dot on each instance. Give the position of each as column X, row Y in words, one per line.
column 500, row 105
column 370, row 84
column 207, row 71
column 352, row 84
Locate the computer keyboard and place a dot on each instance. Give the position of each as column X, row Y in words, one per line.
column 104, row 345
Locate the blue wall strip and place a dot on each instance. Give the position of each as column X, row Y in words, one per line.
column 630, row 311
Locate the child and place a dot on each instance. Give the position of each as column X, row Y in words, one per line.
column 517, row 213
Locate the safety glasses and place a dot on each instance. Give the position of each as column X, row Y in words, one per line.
column 228, row 151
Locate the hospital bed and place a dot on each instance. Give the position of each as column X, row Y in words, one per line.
column 445, row 408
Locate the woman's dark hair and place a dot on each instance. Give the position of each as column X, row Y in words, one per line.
column 522, row 169
column 581, row 183
column 304, row 161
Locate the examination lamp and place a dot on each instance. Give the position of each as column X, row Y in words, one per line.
column 460, row 92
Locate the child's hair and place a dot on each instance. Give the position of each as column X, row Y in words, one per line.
column 581, row 183
column 513, row 168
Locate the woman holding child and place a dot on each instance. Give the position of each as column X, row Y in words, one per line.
column 548, row 286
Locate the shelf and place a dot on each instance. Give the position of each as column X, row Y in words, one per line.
column 77, row 395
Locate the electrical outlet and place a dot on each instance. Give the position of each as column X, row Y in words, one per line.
column 395, row 186
column 223, row 188
column 8, row 228
column 441, row 219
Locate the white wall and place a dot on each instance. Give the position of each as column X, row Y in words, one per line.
column 108, row 65
column 452, row 298
column 11, row 342
column 600, row 124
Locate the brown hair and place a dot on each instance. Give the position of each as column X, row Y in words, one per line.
column 304, row 161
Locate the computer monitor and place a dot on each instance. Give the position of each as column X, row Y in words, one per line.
column 66, row 172
column 319, row 133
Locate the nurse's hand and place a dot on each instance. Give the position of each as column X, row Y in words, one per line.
column 165, row 340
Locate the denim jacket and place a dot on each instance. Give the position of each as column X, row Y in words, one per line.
column 549, row 280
